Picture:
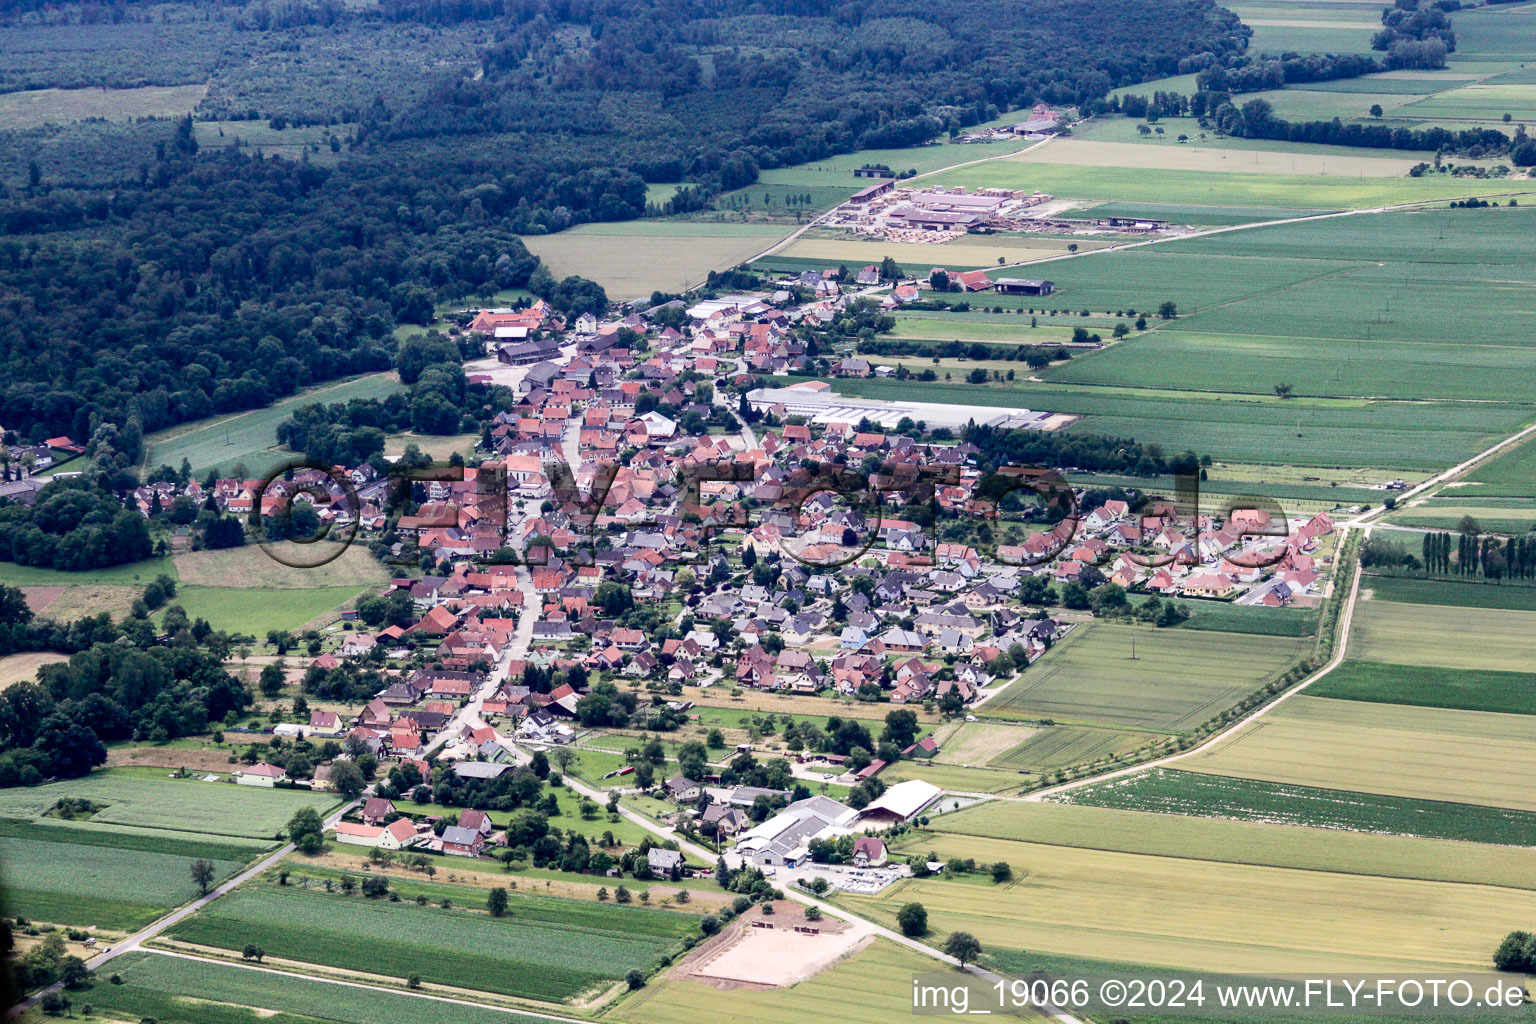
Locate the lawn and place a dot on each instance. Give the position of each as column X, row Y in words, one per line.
column 650, row 255
column 873, row 986
column 182, row 805
column 1426, row 753
column 133, row 574
column 1173, row 792
column 1185, row 913
column 1190, row 828
column 545, row 948
column 1430, row 686
column 175, row 990
column 251, row 437
column 255, row 610
column 1177, row 679
column 1451, row 636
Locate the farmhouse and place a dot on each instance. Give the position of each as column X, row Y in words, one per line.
column 783, row 838
column 1023, row 286
column 397, row 835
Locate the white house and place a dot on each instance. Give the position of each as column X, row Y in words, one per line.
column 261, row 774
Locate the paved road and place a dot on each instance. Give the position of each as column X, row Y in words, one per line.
column 138, row 938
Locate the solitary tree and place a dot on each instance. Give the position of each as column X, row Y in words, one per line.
column 1283, row 390
column 963, row 946
column 913, row 919
column 1375, row 109
column 202, row 874
column 496, row 902
column 252, row 952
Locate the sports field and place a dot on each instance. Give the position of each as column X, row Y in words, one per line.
column 251, row 437
column 1451, row 636
column 544, row 948
column 633, row 259
column 1175, row 680
column 1175, row 792
column 176, row 990
column 1197, row 835
column 1426, row 753
column 1204, row 914
column 182, row 805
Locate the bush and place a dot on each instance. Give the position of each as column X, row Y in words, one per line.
column 709, row 924
column 634, row 979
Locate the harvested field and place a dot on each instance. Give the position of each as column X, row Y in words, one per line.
column 251, row 566
column 20, row 668
column 39, row 598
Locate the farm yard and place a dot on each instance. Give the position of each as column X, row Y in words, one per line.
column 545, row 948
column 1176, row 792
column 177, row 806
column 1173, row 681
column 179, row 990
column 1203, row 914
column 1423, row 753
column 1188, row 829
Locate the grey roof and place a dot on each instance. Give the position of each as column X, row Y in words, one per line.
column 479, row 769
column 461, row 836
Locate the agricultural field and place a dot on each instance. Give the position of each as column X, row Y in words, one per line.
column 255, row 610
column 954, row 778
column 92, row 877
column 20, row 668
column 1203, row 188
column 675, row 253
column 134, row 574
column 1468, row 757
column 1175, row 156
column 37, row 107
column 1437, row 591
column 1430, row 686
column 1061, row 746
column 545, row 948
column 179, row 990
column 1175, row 681
column 311, row 142
column 251, row 437
column 1203, row 914
column 872, row 986
column 1450, row 636
column 967, row 253
column 1511, row 474
column 178, row 806
column 1197, row 833
column 1175, row 792
column 253, row 567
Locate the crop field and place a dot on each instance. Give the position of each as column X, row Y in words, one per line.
column 1202, row 216
column 873, row 986
column 220, row 809
column 1246, row 428
column 255, row 610
column 77, row 882
column 253, row 567
column 1204, row 914
column 1450, row 636
column 1158, row 185
column 545, row 948
column 251, row 437
column 1174, row 156
column 650, row 255
column 941, row 328
column 1174, row 792
column 1199, row 834
column 853, row 254
column 177, row 990
column 965, row 743
column 1430, row 686
column 1504, row 32
column 1060, row 746
column 1177, row 679
column 1426, row 753
column 37, row 107
column 1511, row 474
column 1408, row 590
column 954, row 778
column 19, row 668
